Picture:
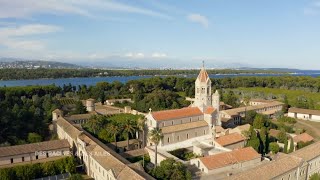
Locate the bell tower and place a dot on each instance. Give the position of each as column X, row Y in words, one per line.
column 203, row 96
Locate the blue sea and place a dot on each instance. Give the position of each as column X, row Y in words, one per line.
column 94, row 80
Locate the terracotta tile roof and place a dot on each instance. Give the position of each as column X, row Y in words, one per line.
column 280, row 165
column 304, row 111
column 203, row 75
column 176, row 113
column 229, row 158
column 185, row 126
column 32, row 148
column 309, row 152
column 274, row 133
column 304, row 137
column 209, row 110
column 230, row 139
column 72, row 131
column 236, row 111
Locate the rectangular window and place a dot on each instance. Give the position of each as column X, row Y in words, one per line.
column 11, row 160
column 47, row 154
column 187, row 136
column 178, row 138
column 22, row 159
column 168, row 139
column 37, row 157
column 172, row 123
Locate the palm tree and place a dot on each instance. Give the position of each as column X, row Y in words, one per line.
column 94, row 123
column 129, row 127
column 114, row 129
column 141, row 127
column 156, row 136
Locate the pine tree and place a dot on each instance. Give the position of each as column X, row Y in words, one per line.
column 291, row 146
column 285, row 148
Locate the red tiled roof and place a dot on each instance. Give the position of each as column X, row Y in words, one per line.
column 304, row 137
column 209, row 110
column 203, row 75
column 176, row 113
column 230, row 139
column 228, row 158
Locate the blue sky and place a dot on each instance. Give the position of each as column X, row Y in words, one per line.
column 269, row 33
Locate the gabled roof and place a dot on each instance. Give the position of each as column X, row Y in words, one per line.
column 281, row 164
column 210, row 110
column 203, row 75
column 184, row 126
column 176, row 113
column 34, row 147
column 304, row 137
column 72, row 131
column 230, row 139
column 229, row 158
column 309, row 152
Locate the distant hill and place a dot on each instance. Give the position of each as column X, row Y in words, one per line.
column 35, row 64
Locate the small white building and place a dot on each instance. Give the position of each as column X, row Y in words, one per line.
column 33, row 152
column 305, row 114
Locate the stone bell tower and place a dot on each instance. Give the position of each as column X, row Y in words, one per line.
column 203, row 89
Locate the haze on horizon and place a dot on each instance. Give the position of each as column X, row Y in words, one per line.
column 153, row 32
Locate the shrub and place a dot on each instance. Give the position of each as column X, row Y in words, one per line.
column 274, row 147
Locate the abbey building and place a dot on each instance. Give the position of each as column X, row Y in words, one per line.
column 194, row 123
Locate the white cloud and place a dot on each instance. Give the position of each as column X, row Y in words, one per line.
column 159, row 55
column 197, row 18
column 89, row 8
column 138, row 55
column 14, row 37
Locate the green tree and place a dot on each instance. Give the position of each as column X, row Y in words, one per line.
column 129, row 127
column 259, row 121
column 315, row 176
column 274, row 147
column 250, row 116
column 285, row 148
column 114, row 129
column 156, row 136
column 94, row 123
column 291, row 145
column 34, row 138
column 285, row 107
column 282, row 136
column 79, row 109
column 141, row 126
column 254, row 140
column 75, row 177
column 171, row 170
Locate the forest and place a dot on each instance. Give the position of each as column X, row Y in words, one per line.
column 25, row 112
column 6, row 74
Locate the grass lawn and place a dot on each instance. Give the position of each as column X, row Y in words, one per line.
column 291, row 94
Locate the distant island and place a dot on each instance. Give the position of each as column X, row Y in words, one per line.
column 36, row 64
